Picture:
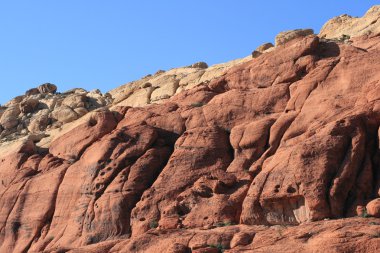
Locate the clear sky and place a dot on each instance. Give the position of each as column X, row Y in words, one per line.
column 103, row 44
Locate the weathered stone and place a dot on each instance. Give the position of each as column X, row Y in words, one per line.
column 199, row 65
column 284, row 37
column 47, row 88
column 373, row 208
column 262, row 48
column 29, row 105
column 39, row 122
column 256, row 54
column 274, row 154
column 9, row 119
column 349, row 26
column 74, row 101
column 33, row 91
column 64, row 114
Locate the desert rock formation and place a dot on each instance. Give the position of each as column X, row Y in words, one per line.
column 273, row 153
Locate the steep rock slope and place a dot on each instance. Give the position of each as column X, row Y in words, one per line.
column 279, row 153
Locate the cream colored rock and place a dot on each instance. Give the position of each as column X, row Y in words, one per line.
column 218, row 70
column 48, row 103
column 96, row 99
column 191, row 79
column 74, row 101
column 284, row 37
column 39, row 122
column 9, row 119
column 64, row 114
column 178, row 79
column 81, row 111
column 166, row 88
column 351, row 26
column 139, row 98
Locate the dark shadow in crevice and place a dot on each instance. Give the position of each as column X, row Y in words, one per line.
column 328, row 49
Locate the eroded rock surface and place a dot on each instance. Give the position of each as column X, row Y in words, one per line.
column 278, row 153
column 346, row 25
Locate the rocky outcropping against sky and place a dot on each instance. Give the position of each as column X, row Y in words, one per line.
column 276, row 152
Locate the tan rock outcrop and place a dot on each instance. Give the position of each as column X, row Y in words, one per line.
column 9, row 118
column 346, row 25
column 284, row 37
column 29, row 105
column 47, row 88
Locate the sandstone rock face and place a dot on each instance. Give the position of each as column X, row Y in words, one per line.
column 278, row 153
column 352, row 26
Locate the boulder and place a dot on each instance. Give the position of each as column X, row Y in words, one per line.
column 373, row 208
column 262, row 48
column 81, row 111
column 241, row 239
column 64, row 114
column 284, row 37
column 33, row 91
column 48, row 103
column 199, row 65
column 74, row 100
column 9, row 119
column 29, row 105
column 47, row 88
column 39, row 122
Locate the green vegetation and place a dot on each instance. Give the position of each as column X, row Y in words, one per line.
column 218, row 246
column 197, row 104
column 365, row 214
column 225, row 224
column 344, row 37
column 153, row 224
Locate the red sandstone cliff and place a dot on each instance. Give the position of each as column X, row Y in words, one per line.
column 278, row 154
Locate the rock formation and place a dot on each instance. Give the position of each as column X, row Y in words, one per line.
column 273, row 153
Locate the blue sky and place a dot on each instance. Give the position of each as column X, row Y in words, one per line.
column 103, row 44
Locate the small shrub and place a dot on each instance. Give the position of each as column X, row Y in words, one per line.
column 197, row 104
column 153, row 224
column 365, row 214
column 218, row 246
column 225, row 224
column 344, row 37
column 16, row 226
